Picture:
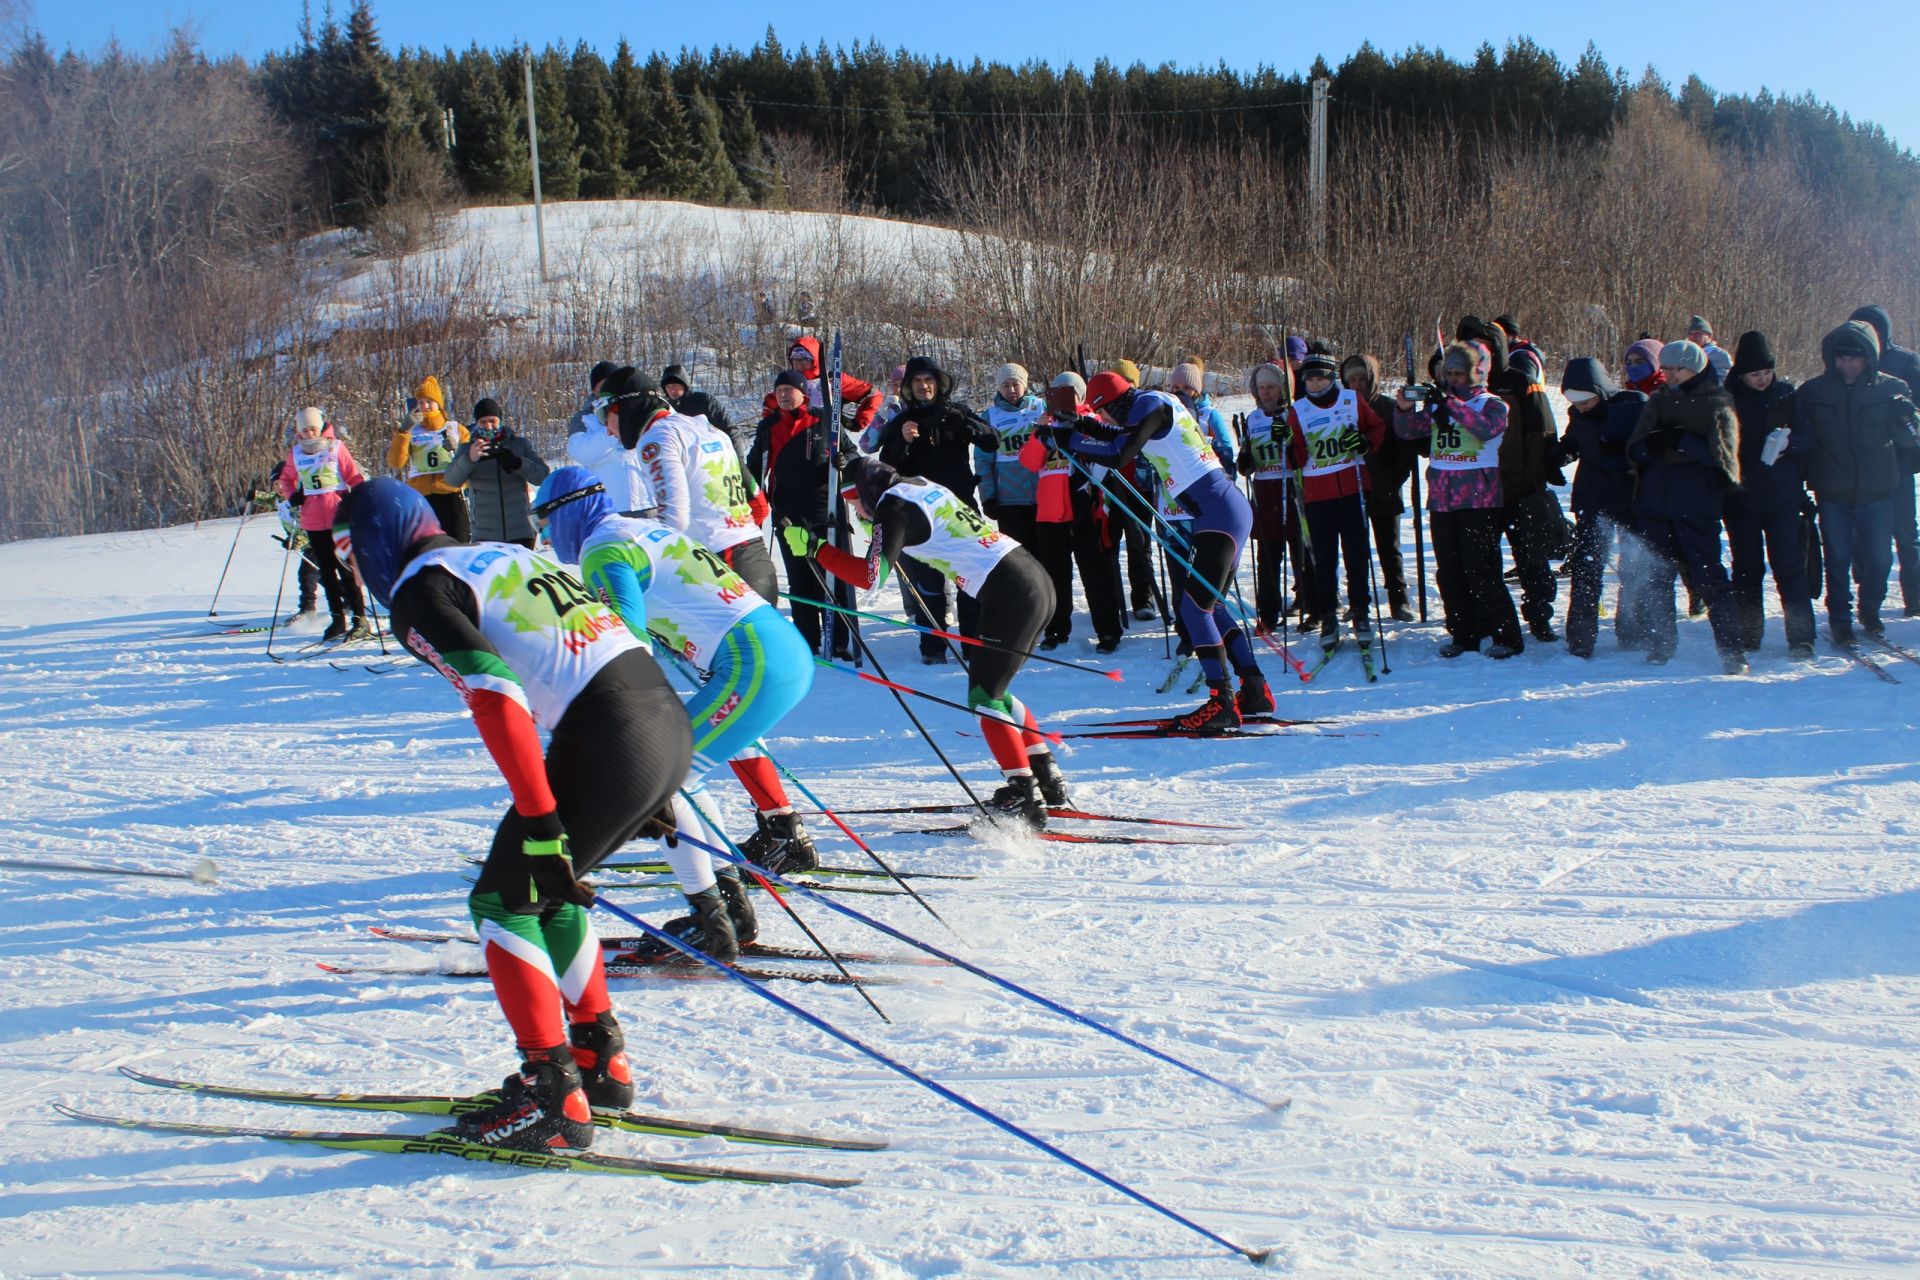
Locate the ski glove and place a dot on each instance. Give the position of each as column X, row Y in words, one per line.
column 551, row 864
column 507, row 458
column 800, row 540
column 758, row 505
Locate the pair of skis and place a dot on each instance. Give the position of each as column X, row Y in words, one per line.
column 1853, row 650
column 447, row 1144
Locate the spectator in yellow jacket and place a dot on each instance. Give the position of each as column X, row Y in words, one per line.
column 425, row 446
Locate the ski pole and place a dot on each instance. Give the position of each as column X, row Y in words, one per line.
column 246, row 513
column 920, row 602
column 747, row 866
column 1256, row 1256
column 899, row 689
column 273, row 624
column 1007, row 984
column 955, row 635
column 204, row 871
column 1373, row 578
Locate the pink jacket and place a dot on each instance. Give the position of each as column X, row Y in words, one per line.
column 324, row 486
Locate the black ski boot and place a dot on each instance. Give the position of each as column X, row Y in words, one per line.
column 1019, row 799
column 781, row 844
column 1052, row 782
column 336, row 630
column 359, row 630
column 542, row 1108
column 746, row 925
column 1218, row 714
column 600, row 1054
column 1255, row 697
column 708, row 929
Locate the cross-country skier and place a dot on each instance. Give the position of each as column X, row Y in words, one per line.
column 1013, row 594
column 1157, row 428
column 529, row 648
column 1334, row 428
column 701, row 486
column 755, row 665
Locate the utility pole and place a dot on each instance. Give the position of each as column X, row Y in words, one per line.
column 1317, row 164
column 533, row 149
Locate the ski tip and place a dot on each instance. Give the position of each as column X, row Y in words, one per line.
column 1115, row 676
column 1261, row 1257
column 205, row 871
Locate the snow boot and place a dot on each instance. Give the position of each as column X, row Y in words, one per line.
column 1018, row 799
column 541, row 1108
column 1052, row 783
column 1541, row 629
column 1734, row 662
column 337, row 629
column 1801, row 651
column 1255, row 697
column 600, row 1055
column 1218, row 714
column 746, row 925
column 1498, row 651
column 305, row 613
column 1453, row 649
column 781, row 844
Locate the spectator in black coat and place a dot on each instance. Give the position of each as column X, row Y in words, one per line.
column 1600, row 421
column 1898, row 362
column 1686, row 455
column 1763, row 515
column 1387, row 470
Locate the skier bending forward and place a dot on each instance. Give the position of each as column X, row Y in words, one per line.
column 528, row 648
column 1014, row 594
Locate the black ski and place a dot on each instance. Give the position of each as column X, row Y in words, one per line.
column 757, row 950
column 1852, row 650
column 434, row 1104
column 1079, row 814
column 1898, row 651
column 1062, row 837
column 621, row 965
column 857, row 873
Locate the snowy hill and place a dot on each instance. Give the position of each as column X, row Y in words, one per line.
column 1571, row 969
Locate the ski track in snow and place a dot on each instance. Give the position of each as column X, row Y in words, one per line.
column 1571, row 969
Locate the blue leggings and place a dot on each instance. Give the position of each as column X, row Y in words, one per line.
column 761, row 672
column 1222, row 520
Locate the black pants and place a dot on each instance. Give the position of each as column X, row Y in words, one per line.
column 1593, row 535
column 1013, row 607
column 1690, row 547
column 1339, row 533
column 750, row 560
column 1759, row 539
column 1532, row 533
column 1096, row 550
column 1383, row 513
column 616, row 758
column 805, row 578
column 1279, row 554
column 309, row 578
column 926, row 603
column 1052, row 545
column 1466, row 567
column 1141, row 549
column 342, row 588
column 1018, row 522
column 450, row 509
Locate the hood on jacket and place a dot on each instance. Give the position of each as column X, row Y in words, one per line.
column 812, row 345
column 869, row 478
column 388, row 521
column 1490, row 336
column 943, row 384
column 1877, row 317
column 1587, row 374
column 1854, row 333
column 1370, row 365
column 573, row 503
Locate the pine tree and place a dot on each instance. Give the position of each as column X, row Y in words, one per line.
column 748, row 155
column 675, row 173
column 718, row 182
column 633, row 108
column 490, row 150
column 559, row 139
column 603, row 138
column 360, row 116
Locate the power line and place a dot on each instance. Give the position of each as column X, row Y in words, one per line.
column 996, row 115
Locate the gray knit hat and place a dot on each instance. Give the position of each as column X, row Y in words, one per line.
column 1683, row 355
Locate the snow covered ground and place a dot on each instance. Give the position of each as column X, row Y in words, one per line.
column 1571, row 969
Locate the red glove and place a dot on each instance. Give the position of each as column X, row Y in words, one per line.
column 758, row 502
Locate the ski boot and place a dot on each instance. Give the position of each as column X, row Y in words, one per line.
column 781, row 844
column 359, row 630
column 336, row 629
column 1018, row 799
column 1052, row 783
column 541, row 1108
column 600, row 1054
column 708, row 929
column 1255, row 697
column 305, row 613
column 746, row 925
column 1218, row 714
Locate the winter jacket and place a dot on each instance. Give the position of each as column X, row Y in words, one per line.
column 854, row 394
column 1527, row 455
column 1603, row 483
column 426, row 452
column 1719, row 360
column 331, row 471
column 1763, row 488
column 497, row 490
column 1003, row 480
column 1863, row 435
column 947, row 433
column 1480, row 415
column 1895, row 361
column 796, row 485
column 1686, row 451
column 1393, row 459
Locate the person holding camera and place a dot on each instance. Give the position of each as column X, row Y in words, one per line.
column 933, row 437
column 785, row 451
column 425, row 445
column 1764, row 515
column 495, row 467
column 1600, row 420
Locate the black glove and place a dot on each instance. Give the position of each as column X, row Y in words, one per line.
column 550, row 863
column 664, row 826
column 992, row 507
column 1226, row 465
column 507, row 458
column 295, row 498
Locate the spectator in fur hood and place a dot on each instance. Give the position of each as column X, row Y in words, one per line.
column 426, row 445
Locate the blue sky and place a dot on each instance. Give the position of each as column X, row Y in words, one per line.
column 1862, row 63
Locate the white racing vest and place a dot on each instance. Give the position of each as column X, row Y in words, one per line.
column 1334, row 441
column 1458, row 450
column 1014, row 426
column 693, row 598
column 548, row 629
column 430, row 452
column 1267, row 439
column 962, row 545
column 319, row 472
column 697, row 480
column 1180, row 457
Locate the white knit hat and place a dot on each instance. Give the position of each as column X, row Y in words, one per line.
column 1014, row 371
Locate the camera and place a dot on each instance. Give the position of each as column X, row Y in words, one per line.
column 1418, row 391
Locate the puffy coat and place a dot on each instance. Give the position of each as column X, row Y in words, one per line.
column 1862, row 435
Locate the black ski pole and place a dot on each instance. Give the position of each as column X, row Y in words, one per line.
column 1373, row 576
column 906, row 580
column 246, row 513
column 273, row 624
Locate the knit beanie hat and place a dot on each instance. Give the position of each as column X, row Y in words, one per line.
column 1683, row 355
column 1126, row 369
column 599, row 372
column 1013, row 371
column 487, row 407
column 1065, row 394
column 1527, row 364
column 790, row 378
column 309, row 417
column 1268, row 372
column 1071, row 379
column 1751, row 353
column 1698, row 324
column 1296, row 349
column 1189, row 373
column 1508, row 325
column 1460, row 358
column 1319, row 362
